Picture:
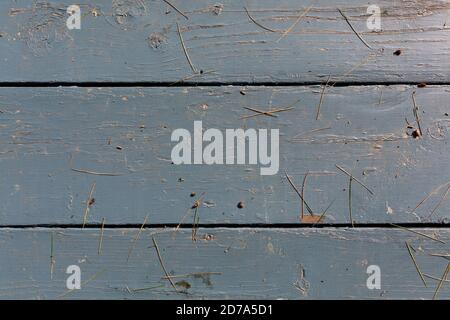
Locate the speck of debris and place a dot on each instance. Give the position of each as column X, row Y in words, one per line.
column 180, row 180
column 397, row 52
column 183, row 284
column 204, row 106
column 95, row 13
column 446, row 114
column 208, row 237
column 241, row 205
column 421, row 85
column 119, row 148
column 91, row 202
column 242, row 92
column 192, row 194
column 416, row 134
column 217, row 9
column 156, row 39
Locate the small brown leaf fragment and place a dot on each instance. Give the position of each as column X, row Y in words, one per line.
column 311, row 218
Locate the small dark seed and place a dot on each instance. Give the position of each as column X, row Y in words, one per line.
column 119, row 148
column 242, row 92
column 416, row 134
column 241, row 205
column 91, row 202
column 446, row 114
column 397, row 52
column 192, row 194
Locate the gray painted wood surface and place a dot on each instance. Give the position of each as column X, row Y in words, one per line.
column 250, row 263
column 56, row 143
column 47, row 132
column 137, row 40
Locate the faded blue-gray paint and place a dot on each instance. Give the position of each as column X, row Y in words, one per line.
column 128, row 41
column 253, row 263
column 48, row 131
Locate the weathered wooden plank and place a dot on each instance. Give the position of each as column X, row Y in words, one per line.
column 246, row 263
column 137, row 40
column 126, row 132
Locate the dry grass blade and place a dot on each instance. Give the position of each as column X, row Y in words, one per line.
column 298, row 193
column 162, row 264
column 194, row 70
column 442, row 255
column 434, row 278
column 88, row 204
column 303, row 194
column 428, row 196
column 354, row 178
column 259, row 112
column 145, row 289
column 136, row 238
column 418, row 233
column 100, row 243
column 324, row 212
column 444, row 278
column 194, row 274
column 322, row 94
column 108, row 174
column 95, row 276
column 257, row 23
column 176, row 9
column 195, row 225
column 444, row 197
column 361, row 63
column 52, row 257
column 350, row 199
column 415, row 263
column 285, row 33
column 353, row 29
column 416, row 113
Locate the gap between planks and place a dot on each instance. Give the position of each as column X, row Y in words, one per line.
column 235, row 226
column 171, row 84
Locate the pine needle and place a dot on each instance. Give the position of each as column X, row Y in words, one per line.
column 444, row 278
column 88, row 203
column 418, row 233
column 194, row 70
column 353, row 29
column 285, row 33
column 298, row 193
column 257, row 23
column 137, row 237
column 415, row 263
column 162, row 264
column 176, row 9
column 100, row 243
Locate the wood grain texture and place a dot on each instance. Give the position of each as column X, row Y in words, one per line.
column 250, row 263
column 47, row 132
column 137, row 40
